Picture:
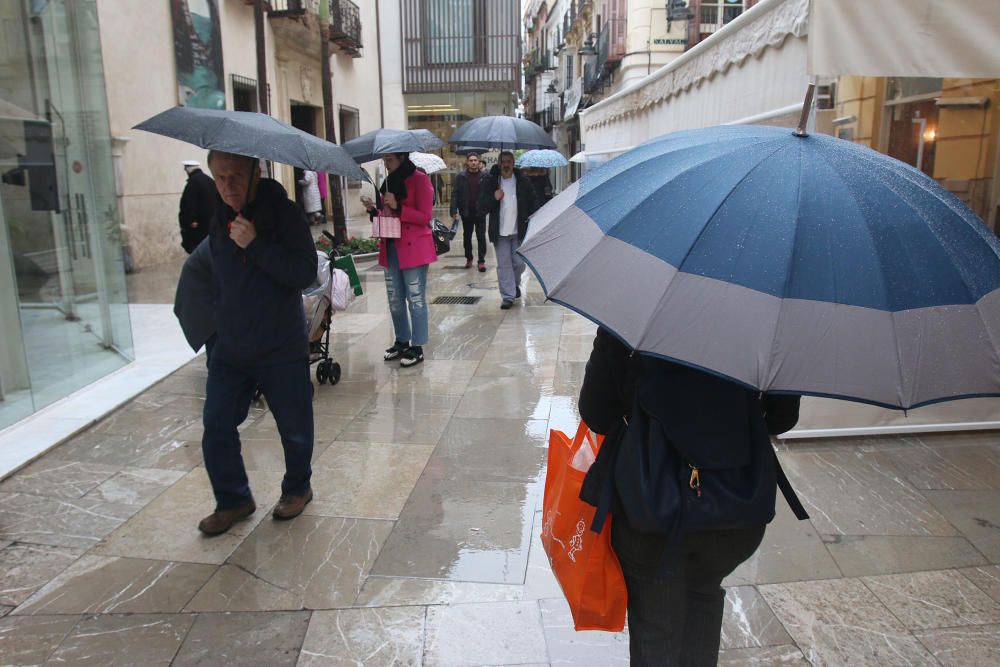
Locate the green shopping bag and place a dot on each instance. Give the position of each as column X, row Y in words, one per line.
column 346, row 264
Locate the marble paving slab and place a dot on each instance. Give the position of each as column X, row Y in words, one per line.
column 365, row 480
column 245, row 639
column 767, row 656
column 858, row 493
column 57, row 479
column 840, row 622
column 925, row 600
column 516, row 397
column 464, row 530
column 566, row 646
column 136, row 486
column 30, row 640
column 167, row 528
column 107, row 584
column 493, row 450
column 496, row 633
column 964, row 647
column 76, row 523
column 976, row 514
column 404, row 592
column 987, row 578
column 386, row 637
column 748, row 622
column 308, row 563
column 124, row 640
column 859, row 555
column 24, row 568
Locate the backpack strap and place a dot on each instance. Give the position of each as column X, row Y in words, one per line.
column 788, row 492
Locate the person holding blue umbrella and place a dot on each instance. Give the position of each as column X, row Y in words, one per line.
column 761, row 264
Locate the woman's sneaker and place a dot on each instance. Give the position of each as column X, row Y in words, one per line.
column 396, row 351
column 413, row 356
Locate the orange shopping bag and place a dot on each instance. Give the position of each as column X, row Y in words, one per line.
column 583, row 561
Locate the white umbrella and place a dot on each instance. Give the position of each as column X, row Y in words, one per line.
column 428, row 162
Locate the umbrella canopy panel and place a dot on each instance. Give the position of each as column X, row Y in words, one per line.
column 545, row 158
column 504, row 132
column 803, row 264
column 372, row 145
column 255, row 135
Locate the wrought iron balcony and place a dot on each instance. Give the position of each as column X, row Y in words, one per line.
column 345, row 26
column 611, row 44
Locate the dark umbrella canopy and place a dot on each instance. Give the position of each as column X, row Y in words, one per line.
column 253, row 134
column 504, row 132
column 371, row 145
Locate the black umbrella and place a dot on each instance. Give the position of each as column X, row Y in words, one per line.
column 371, row 145
column 504, row 132
column 253, row 134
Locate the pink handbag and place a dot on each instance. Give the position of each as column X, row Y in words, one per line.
column 386, row 227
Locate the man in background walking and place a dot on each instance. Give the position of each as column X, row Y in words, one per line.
column 509, row 198
column 197, row 206
column 464, row 202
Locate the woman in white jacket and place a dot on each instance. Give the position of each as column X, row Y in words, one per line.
column 310, row 197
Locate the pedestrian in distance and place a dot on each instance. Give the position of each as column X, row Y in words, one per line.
column 197, row 207
column 509, row 199
column 263, row 256
column 675, row 598
column 407, row 194
column 311, row 202
column 465, row 204
column 539, row 177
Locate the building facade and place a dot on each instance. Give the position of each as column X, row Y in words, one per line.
column 460, row 59
column 580, row 51
column 151, row 176
column 83, row 196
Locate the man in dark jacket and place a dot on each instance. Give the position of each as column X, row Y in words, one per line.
column 464, row 202
column 509, row 199
column 197, row 206
column 262, row 258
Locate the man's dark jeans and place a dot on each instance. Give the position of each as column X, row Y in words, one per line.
column 675, row 598
column 477, row 222
column 288, row 390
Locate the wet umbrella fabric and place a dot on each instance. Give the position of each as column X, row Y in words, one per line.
column 544, row 158
column 807, row 265
column 429, row 162
column 372, row 145
column 253, row 134
column 504, row 132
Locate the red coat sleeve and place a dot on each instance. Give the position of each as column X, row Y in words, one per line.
column 418, row 208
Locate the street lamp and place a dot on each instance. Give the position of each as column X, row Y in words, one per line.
column 588, row 47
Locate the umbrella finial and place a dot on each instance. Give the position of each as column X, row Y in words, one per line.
column 800, row 131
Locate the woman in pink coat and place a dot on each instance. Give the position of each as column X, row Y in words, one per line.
column 407, row 194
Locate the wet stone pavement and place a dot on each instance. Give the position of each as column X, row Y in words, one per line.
column 422, row 545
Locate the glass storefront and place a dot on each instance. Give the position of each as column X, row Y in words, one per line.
column 442, row 114
column 64, row 319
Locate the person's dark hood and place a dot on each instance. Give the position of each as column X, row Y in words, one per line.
column 270, row 196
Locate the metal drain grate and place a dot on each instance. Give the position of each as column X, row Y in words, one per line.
column 457, row 300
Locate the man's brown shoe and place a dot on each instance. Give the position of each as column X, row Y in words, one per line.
column 289, row 507
column 220, row 521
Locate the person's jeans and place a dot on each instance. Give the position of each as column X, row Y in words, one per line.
column 510, row 266
column 230, row 390
column 475, row 223
column 407, row 287
column 675, row 595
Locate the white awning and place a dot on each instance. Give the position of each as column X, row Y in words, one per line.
column 928, row 38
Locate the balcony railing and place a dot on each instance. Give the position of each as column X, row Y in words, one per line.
column 345, row 26
column 283, row 8
column 611, row 43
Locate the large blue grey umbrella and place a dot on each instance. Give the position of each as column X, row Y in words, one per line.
column 504, row 132
column 803, row 264
column 253, row 134
column 371, row 145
